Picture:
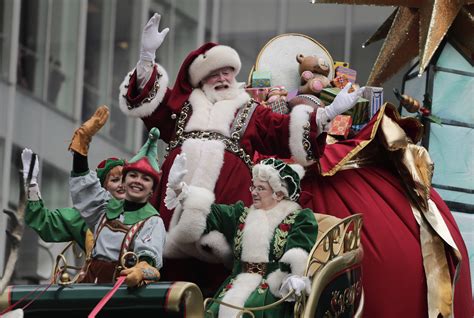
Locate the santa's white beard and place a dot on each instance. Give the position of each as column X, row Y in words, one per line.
column 217, row 95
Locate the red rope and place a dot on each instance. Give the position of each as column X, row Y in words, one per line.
column 106, row 298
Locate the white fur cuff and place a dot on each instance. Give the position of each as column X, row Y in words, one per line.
column 217, row 243
column 297, row 258
column 274, row 281
column 192, row 222
column 299, row 119
column 156, row 96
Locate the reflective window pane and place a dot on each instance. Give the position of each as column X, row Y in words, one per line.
column 5, row 23
column 96, row 65
column 31, row 55
column 47, row 59
column 63, row 54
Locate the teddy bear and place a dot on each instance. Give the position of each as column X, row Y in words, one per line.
column 313, row 71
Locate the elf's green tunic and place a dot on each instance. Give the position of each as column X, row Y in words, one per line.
column 281, row 237
column 59, row 225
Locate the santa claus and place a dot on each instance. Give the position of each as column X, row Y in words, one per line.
column 208, row 116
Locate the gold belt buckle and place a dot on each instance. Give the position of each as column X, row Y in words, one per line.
column 256, row 268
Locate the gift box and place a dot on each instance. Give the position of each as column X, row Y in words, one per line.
column 375, row 97
column 340, row 126
column 340, row 63
column 359, row 113
column 341, row 81
column 261, row 79
column 258, row 93
column 348, row 72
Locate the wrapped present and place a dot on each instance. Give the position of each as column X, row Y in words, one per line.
column 341, row 81
column 258, row 93
column 348, row 72
column 340, row 126
column 359, row 113
column 339, row 63
column 375, row 97
column 261, row 79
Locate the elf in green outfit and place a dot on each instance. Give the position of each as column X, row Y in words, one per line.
column 270, row 240
column 120, row 227
column 66, row 224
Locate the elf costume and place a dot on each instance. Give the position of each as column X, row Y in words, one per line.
column 119, row 226
column 63, row 224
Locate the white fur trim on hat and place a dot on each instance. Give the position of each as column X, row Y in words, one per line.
column 215, row 58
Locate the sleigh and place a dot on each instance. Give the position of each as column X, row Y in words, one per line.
column 334, row 267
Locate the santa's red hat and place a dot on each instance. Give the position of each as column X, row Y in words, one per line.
column 197, row 65
column 213, row 59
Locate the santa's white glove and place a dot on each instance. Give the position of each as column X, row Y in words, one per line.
column 343, row 101
column 152, row 38
column 33, row 192
column 300, row 284
column 176, row 188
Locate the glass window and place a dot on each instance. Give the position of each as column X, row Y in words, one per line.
column 240, row 33
column 54, row 186
column 15, row 175
column 112, row 45
column 63, row 52
column 126, row 44
column 5, row 25
column 97, row 56
column 47, row 59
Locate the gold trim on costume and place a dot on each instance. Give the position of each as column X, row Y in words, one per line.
column 359, row 147
column 190, row 294
column 4, row 297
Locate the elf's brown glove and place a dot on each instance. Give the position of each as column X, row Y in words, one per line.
column 140, row 273
column 83, row 135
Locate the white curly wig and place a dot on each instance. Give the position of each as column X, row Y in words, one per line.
column 269, row 174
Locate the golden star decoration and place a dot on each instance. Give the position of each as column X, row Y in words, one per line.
column 417, row 27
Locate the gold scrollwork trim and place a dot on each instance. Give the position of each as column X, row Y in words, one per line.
column 307, row 143
column 4, row 297
column 341, row 238
column 231, row 144
column 150, row 97
column 326, row 274
column 190, row 294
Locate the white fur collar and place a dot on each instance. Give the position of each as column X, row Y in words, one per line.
column 259, row 228
column 216, row 117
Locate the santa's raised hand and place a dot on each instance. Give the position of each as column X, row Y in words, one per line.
column 152, row 38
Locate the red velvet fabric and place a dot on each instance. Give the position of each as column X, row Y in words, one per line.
column 393, row 273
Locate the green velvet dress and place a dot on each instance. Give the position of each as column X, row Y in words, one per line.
column 281, row 237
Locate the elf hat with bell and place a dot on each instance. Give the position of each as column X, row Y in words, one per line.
column 145, row 160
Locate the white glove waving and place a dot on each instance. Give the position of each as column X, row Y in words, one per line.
column 177, row 172
column 343, row 101
column 26, row 159
column 176, row 188
column 152, row 38
column 297, row 283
